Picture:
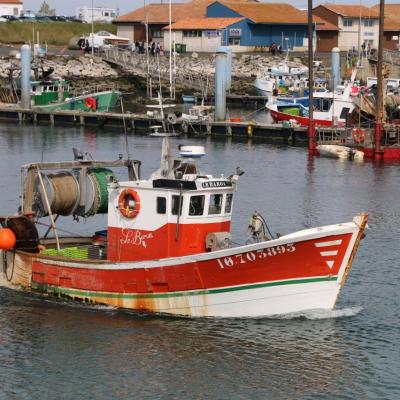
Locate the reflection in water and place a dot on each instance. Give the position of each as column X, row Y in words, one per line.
column 97, row 352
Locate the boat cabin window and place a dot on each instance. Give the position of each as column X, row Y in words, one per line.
column 228, row 203
column 175, row 205
column 344, row 113
column 161, row 205
column 196, row 205
column 323, row 105
column 215, row 206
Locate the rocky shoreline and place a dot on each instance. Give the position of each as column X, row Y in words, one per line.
column 84, row 70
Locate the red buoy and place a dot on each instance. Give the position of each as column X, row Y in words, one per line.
column 7, row 239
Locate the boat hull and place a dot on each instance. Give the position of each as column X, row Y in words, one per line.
column 104, row 100
column 303, row 121
column 294, row 273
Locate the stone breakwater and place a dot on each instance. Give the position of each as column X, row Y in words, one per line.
column 63, row 66
column 196, row 70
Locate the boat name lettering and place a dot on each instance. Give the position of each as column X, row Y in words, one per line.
column 250, row 256
column 134, row 237
column 216, row 184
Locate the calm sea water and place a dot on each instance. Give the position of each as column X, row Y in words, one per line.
column 52, row 349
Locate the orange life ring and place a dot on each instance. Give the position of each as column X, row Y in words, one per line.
column 358, row 135
column 129, row 203
column 90, row 102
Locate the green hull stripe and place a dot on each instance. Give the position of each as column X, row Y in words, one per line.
column 84, row 293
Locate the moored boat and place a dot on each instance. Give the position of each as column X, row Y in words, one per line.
column 55, row 94
column 167, row 247
column 341, row 152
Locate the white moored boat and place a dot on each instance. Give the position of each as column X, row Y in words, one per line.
column 338, row 151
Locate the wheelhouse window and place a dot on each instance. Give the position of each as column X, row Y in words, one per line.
column 228, row 203
column 196, row 205
column 176, row 206
column 161, row 205
column 215, row 206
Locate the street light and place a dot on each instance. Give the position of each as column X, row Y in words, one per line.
column 92, row 32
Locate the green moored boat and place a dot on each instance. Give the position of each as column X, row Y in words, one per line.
column 55, row 95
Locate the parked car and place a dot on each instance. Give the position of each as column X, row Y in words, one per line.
column 27, row 18
column 58, row 18
column 42, row 18
column 9, row 18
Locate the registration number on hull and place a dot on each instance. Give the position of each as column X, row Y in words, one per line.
column 251, row 256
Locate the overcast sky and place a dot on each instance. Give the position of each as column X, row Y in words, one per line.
column 68, row 7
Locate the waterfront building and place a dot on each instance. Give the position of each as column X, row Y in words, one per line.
column 205, row 34
column 87, row 14
column 11, row 7
column 133, row 24
column 391, row 36
column 347, row 20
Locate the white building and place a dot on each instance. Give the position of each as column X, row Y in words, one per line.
column 11, row 7
column 97, row 13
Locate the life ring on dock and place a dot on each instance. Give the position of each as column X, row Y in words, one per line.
column 358, row 135
column 129, row 203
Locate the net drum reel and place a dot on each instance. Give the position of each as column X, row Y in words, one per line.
column 73, row 193
column 62, row 191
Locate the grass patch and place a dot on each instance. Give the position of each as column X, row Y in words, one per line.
column 54, row 33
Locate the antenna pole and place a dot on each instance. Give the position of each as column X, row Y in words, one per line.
column 379, row 92
column 311, row 129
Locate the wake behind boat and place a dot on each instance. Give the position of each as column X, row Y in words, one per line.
column 167, row 247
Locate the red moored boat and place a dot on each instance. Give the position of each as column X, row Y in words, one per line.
column 167, row 248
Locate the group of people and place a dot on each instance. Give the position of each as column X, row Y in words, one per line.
column 153, row 48
column 275, row 49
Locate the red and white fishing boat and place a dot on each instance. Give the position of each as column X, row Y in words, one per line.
column 167, row 248
column 331, row 108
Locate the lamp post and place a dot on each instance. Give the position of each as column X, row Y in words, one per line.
column 92, row 32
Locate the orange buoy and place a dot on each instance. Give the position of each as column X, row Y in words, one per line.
column 7, row 239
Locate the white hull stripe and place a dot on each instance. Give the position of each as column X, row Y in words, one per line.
column 329, row 253
column 88, row 293
column 328, row 244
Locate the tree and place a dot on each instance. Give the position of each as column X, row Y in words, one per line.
column 46, row 10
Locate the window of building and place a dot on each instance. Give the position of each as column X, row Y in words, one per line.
column 106, row 14
column 347, row 22
column 228, row 203
column 368, row 22
column 175, row 205
column 215, row 206
column 196, row 205
column 161, row 205
column 157, row 34
column 196, row 33
column 234, row 41
column 368, row 33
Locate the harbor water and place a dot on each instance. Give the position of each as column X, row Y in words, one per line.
column 63, row 350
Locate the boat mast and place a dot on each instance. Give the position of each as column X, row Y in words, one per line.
column 379, row 92
column 311, row 144
column 170, row 50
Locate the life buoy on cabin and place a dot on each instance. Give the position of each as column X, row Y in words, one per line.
column 90, row 102
column 358, row 135
column 129, row 203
